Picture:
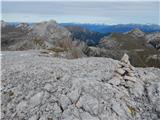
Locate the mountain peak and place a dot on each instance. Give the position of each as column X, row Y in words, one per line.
column 136, row 33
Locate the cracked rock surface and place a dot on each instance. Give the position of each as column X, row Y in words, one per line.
column 40, row 87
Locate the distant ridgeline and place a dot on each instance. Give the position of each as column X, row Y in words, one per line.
column 119, row 28
column 107, row 29
column 93, row 33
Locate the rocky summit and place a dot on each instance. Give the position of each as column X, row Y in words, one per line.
column 43, row 35
column 38, row 86
column 49, row 34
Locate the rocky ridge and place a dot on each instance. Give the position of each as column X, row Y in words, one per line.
column 43, row 35
column 36, row 86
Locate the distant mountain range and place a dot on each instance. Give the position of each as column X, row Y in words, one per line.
column 142, row 43
column 120, row 28
column 107, row 29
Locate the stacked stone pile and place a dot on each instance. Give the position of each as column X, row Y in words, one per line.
column 125, row 69
column 124, row 72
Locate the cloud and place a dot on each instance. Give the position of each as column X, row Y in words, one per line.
column 90, row 12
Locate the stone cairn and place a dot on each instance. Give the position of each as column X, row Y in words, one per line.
column 124, row 71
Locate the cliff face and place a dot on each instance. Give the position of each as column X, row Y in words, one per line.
column 36, row 85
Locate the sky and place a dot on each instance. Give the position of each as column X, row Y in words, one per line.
column 104, row 12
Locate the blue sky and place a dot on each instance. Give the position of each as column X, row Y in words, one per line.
column 124, row 12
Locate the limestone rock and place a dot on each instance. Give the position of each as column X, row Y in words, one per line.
column 64, row 101
column 120, row 71
column 115, row 81
column 36, row 99
column 21, row 106
column 125, row 58
column 48, row 87
column 80, row 93
column 51, row 34
column 130, row 78
column 33, row 117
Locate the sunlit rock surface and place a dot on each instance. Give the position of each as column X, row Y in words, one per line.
column 36, row 86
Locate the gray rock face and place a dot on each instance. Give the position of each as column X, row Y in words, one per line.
column 39, row 87
column 51, row 34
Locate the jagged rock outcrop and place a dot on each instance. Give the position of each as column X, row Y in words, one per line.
column 38, row 86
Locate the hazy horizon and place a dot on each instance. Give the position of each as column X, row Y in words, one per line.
column 110, row 13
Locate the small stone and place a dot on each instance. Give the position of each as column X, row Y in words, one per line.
column 77, row 104
column 36, row 99
column 127, row 69
column 119, row 65
column 125, row 58
column 124, row 65
column 87, row 116
column 21, row 106
column 43, row 118
column 58, row 111
column 65, row 101
column 129, row 84
column 116, row 106
column 48, row 87
column 116, row 75
column 131, row 67
column 120, row 71
column 114, row 81
column 74, row 95
column 131, row 74
column 33, row 118
column 130, row 78
column 89, row 103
